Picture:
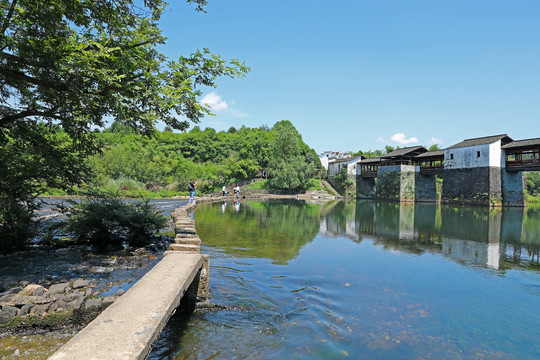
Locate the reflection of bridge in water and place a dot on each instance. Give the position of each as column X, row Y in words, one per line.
column 485, row 171
column 496, row 239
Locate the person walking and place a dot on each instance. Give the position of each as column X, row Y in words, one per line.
column 191, row 188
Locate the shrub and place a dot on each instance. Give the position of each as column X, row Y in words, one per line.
column 16, row 225
column 106, row 221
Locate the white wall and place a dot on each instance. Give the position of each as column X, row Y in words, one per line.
column 334, row 168
column 352, row 168
column 467, row 157
column 324, row 162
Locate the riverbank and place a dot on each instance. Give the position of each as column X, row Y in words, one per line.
column 47, row 288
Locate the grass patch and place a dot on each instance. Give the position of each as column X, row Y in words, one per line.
column 313, row 184
column 530, row 199
column 259, row 185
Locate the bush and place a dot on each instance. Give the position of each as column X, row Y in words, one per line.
column 107, row 221
column 16, row 225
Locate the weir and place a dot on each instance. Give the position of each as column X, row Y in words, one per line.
column 127, row 329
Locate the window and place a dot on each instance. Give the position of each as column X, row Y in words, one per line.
column 451, row 156
column 478, row 154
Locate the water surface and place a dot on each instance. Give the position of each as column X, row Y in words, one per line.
column 364, row 280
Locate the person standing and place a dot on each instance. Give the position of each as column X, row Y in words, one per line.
column 224, row 190
column 191, row 188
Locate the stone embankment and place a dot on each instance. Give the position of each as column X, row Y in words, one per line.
column 35, row 305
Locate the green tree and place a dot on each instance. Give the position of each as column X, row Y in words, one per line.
column 73, row 64
column 533, row 183
column 290, row 165
column 434, row 147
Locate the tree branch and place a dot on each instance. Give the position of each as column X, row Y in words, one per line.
column 23, row 61
column 23, row 77
column 27, row 113
column 5, row 25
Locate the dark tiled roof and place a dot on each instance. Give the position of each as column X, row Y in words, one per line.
column 405, row 151
column 522, row 143
column 371, row 161
column 435, row 153
column 482, row 141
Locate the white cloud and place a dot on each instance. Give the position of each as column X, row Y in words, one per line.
column 381, row 139
column 215, row 102
column 401, row 139
column 434, row 141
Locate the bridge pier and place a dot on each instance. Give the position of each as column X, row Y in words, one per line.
column 365, row 187
column 396, row 182
column 425, row 187
column 472, row 186
column 512, row 188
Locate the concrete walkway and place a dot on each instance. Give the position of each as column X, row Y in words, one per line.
column 127, row 328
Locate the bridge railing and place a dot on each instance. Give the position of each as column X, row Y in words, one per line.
column 528, row 162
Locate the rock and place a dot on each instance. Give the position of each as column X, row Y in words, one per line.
column 6, row 298
column 58, row 306
column 40, row 291
column 140, row 252
column 11, row 291
column 92, row 304
column 58, row 288
column 29, row 289
column 39, row 310
column 24, row 283
column 74, row 305
column 79, row 283
column 56, row 297
column 88, row 292
column 120, row 292
column 25, row 310
column 18, row 300
column 108, row 301
column 7, row 314
column 76, row 295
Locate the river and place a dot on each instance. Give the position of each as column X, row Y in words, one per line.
column 362, row 280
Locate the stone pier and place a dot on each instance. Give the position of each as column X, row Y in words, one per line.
column 366, row 187
column 396, row 182
column 425, row 188
column 512, row 188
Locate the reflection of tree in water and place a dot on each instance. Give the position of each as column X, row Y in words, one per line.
column 521, row 237
column 275, row 230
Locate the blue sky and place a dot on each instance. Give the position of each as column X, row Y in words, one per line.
column 359, row 75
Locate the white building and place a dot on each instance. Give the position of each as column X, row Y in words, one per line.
column 328, row 156
column 336, row 165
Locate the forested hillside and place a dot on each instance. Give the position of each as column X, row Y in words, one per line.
column 132, row 163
